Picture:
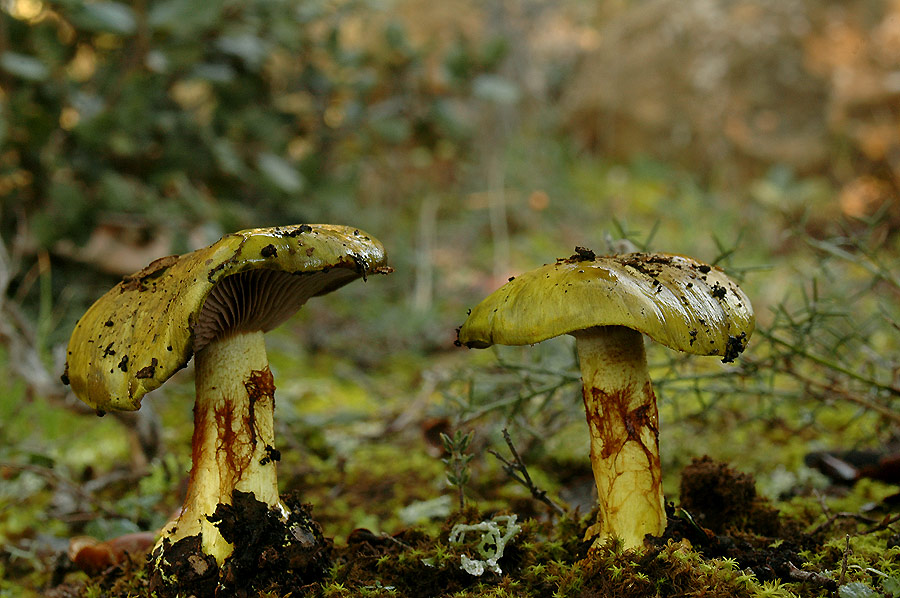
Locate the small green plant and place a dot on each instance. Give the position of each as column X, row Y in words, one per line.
column 856, row 589
column 457, row 461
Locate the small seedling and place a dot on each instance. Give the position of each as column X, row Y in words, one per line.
column 457, row 461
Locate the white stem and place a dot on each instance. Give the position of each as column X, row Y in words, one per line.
column 624, row 425
column 233, row 446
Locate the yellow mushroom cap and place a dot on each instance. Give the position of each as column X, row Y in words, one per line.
column 675, row 300
column 148, row 326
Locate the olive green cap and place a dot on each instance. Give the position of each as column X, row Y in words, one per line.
column 675, row 300
column 149, row 325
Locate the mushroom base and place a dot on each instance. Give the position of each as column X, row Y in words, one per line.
column 271, row 556
column 624, row 426
column 233, row 441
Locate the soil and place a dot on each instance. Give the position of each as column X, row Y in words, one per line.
column 722, row 517
column 722, row 539
column 268, row 553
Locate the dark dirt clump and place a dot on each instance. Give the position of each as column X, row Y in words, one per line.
column 269, row 555
column 721, row 515
column 194, row 571
column 267, row 551
column 717, row 496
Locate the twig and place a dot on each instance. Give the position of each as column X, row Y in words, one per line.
column 832, row 517
column 56, row 479
column 843, row 515
column 844, row 562
column 822, row 503
column 533, row 369
column 873, row 266
column 512, row 400
column 877, row 525
column 831, row 365
column 516, row 470
column 850, row 397
column 390, row 538
column 884, row 524
column 423, row 290
column 811, row 577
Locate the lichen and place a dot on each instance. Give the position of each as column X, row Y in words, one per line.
column 490, row 547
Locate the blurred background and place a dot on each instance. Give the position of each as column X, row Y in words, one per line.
column 476, row 140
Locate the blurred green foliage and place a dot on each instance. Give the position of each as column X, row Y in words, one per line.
column 134, row 130
column 171, row 113
column 166, row 123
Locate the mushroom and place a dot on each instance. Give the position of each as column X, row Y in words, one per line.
column 214, row 303
column 607, row 303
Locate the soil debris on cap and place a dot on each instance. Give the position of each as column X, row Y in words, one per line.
column 583, row 254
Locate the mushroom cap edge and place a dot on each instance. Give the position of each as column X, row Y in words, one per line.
column 675, row 300
column 134, row 337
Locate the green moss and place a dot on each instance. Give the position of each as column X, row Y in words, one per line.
column 549, row 558
column 675, row 570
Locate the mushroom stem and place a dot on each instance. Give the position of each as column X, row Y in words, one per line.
column 233, row 442
column 621, row 414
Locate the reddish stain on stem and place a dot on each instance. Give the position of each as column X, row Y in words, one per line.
column 616, row 423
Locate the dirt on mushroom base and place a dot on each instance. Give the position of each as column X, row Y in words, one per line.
column 268, row 553
column 270, row 557
column 736, row 544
